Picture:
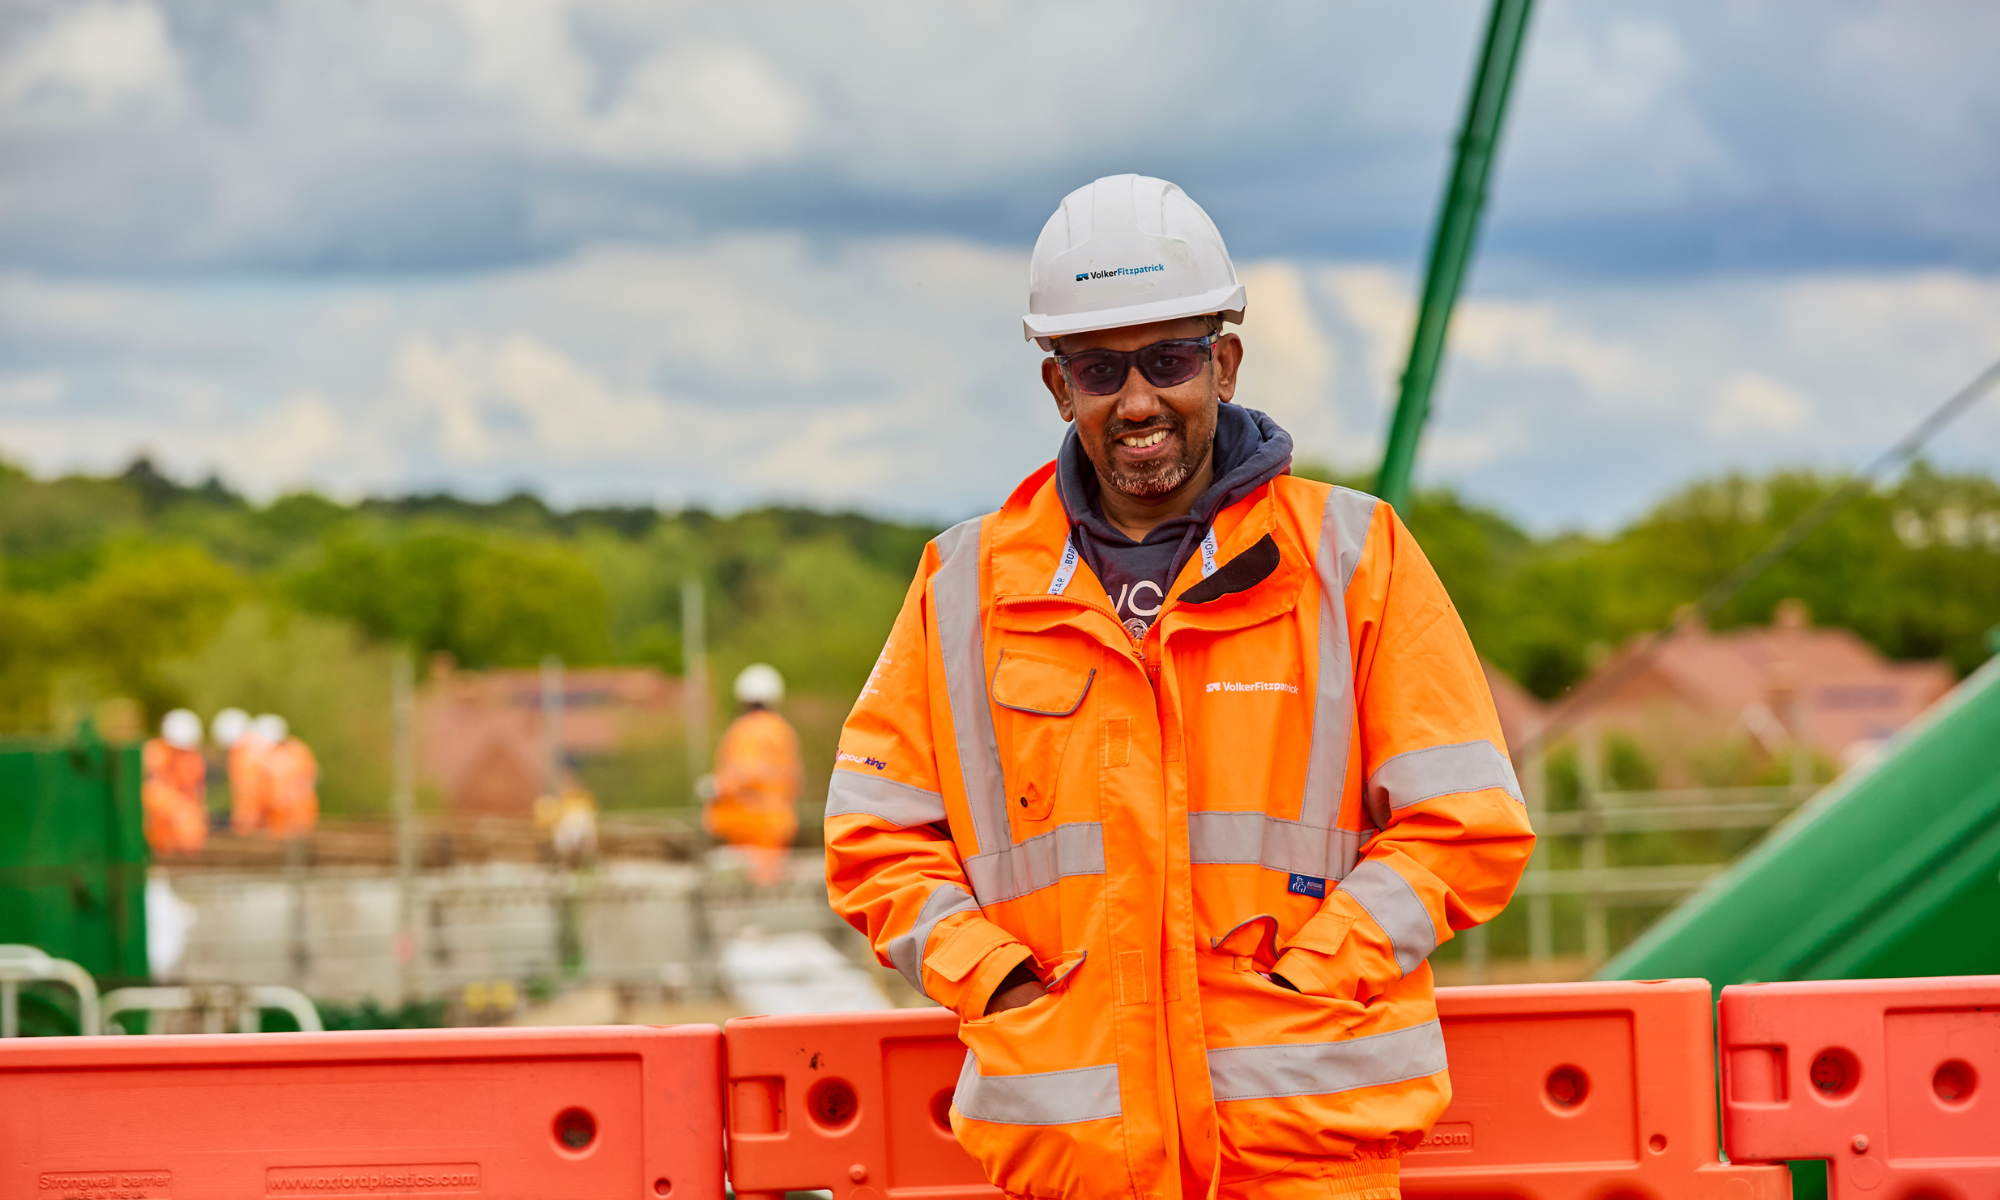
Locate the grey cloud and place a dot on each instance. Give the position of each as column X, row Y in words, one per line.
column 441, row 134
column 889, row 373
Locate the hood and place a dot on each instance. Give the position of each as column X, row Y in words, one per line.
column 1250, row 450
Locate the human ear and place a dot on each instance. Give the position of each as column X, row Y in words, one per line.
column 1228, row 357
column 1052, row 379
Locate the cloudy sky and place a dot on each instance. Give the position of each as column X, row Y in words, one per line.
column 725, row 254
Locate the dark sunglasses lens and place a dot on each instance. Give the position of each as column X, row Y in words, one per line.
column 1166, row 366
column 1097, row 372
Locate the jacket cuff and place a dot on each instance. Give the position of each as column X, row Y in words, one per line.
column 1340, row 954
column 971, row 956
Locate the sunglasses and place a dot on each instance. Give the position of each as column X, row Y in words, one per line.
column 1162, row 364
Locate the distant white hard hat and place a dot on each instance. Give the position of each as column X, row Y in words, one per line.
column 760, row 683
column 181, row 729
column 1127, row 250
column 229, row 726
column 271, row 727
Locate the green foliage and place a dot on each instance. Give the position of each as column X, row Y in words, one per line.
column 140, row 587
column 107, row 631
column 487, row 599
column 328, row 680
column 1913, row 567
column 417, row 1014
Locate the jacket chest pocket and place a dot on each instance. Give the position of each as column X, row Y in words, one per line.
column 1036, row 698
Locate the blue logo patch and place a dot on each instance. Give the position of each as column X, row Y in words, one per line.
column 1306, row 885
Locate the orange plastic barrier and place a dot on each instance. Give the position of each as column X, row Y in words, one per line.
column 1568, row 1091
column 1896, row 1082
column 502, row 1114
column 857, row 1103
column 1562, row 1091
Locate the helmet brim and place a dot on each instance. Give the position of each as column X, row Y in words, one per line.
column 1229, row 301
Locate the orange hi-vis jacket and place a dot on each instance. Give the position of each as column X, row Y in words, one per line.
column 249, row 784
column 292, row 803
column 757, row 774
column 173, row 798
column 1298, row 770
column 756, row 805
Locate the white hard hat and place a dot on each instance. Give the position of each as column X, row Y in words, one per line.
column 1127, row 250
column 181, row 729
column 229, row 726
column 760, row 683
column 271, row 727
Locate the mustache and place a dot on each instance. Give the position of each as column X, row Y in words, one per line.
column 1115, row 429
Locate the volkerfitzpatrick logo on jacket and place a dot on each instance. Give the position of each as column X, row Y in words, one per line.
column 1083, row 275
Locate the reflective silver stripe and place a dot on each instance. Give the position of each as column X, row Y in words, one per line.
column 1076, row 848
column 1323, row 1068
column 901, row 803
column 907, row 951
column 1273, row 842
column 955, row 589
column 1047, row 1098
column 1001, row 870
column 1415, row 776
column 1393, row 903
column 1343, row 534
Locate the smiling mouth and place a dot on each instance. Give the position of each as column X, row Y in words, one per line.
column 1139, row 441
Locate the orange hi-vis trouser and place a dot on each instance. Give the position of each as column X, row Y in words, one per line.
column 1298, row 770
column 174, row 798
column 757, row 772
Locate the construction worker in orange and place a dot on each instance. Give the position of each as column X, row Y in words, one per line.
column 1175, row 770
column 757, row 777
column 249, row 785
column 174, row 796
column 291, row 803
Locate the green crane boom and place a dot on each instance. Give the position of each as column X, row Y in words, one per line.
column 1452, row 242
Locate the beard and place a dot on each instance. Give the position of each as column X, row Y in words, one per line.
column 1153, row 479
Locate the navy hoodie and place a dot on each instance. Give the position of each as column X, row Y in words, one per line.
column 1250, row 450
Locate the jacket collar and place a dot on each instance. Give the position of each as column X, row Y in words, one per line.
column 1027, row 539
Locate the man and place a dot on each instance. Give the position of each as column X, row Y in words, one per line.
column 174, row 795
column 279, row 788
column 249, row 783
column 1175, row 769
column 757, row 773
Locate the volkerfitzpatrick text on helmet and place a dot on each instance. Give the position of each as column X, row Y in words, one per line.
column 1083, row 275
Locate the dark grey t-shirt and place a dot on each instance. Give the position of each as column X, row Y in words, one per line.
column 1250, row 449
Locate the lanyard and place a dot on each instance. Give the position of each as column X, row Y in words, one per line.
column 1066, row 566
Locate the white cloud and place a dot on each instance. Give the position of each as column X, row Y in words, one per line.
column 341, row 134
column 717, row 106
column 890, row 373
column 1290, row 362
column 1608, row 115
column 38, row 389
column 1748, row 403
column 1539, row 336
column 94, row 65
